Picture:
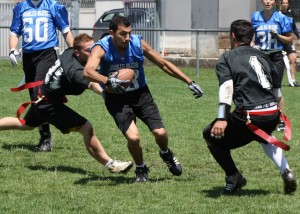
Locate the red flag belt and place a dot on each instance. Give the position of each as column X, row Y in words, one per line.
column 271, row 139
column 41, row 97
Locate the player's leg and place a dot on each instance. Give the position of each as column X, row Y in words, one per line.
column 44, row 60
column 236, row 135
column 96, row 150
column 293, row 65
column 148, row 112
column 277, row 156
column 67, row 120
column 13, row 123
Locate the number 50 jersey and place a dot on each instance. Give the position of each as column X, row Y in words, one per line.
column 37, row 24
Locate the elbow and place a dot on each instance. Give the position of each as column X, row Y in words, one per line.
column 85, row 73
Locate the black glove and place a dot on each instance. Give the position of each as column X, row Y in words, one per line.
column 116, row 84
column 196, row 89
column 274, row 33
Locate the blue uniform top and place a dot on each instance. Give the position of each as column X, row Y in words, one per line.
column 262, row 27
column 37, row 24
column 133, row 59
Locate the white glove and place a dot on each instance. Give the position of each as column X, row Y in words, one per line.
column 116, row 84
column 196, row 89
column 13, row 56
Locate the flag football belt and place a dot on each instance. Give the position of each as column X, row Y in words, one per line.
column 41, row 97
column 259, row 132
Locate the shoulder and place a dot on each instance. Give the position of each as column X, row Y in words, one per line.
column 256, row 15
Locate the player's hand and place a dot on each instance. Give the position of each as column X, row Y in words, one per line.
column 218, row 129
column 13, row 56
column 274, row 33
column 196, row 89
column 116, row 84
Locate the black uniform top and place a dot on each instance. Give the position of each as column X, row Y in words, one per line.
column 252, row 74
column 66, row 79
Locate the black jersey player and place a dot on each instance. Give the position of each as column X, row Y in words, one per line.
column 246, row 77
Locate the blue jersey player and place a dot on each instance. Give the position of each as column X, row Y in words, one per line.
column 271, row 31
column 36, row 21
column 120, row 50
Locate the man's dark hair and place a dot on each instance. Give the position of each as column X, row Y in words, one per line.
column 242, row 30
column 117, row 21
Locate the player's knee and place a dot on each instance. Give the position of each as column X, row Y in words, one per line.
column 133, row 138
column 87, row 129
column 160, row 133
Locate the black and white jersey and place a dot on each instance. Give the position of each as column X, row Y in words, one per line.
column 252, row 74
column 65, row 77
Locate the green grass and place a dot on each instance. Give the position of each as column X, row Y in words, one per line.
column 68, row 180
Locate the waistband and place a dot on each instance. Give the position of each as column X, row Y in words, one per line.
column 261, row 111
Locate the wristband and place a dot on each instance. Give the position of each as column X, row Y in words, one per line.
column 223, row 111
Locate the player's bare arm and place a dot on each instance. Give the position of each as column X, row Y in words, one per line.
column 90, row 71
column 286, row 38
column 163, row 64
column 69, row 38
column 95, row 87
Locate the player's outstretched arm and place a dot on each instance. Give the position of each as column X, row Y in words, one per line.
column 170, row 68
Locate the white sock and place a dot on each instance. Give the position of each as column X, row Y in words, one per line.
column 276, row 155
column 109, row 163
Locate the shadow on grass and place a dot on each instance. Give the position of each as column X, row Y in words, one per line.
column 115, row 179
column 59, row 169
column 118, row 179
column 29, row 147
column 216, row 192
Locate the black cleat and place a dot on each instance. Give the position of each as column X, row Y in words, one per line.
column 233, row 183
column 289, row 181
column 172, row 163
column 44, row 145
column 141, row 174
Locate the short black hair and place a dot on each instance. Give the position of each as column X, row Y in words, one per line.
column 117, row 21
column 242, row 30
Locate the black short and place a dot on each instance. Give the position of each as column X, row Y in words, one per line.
column 124, row 108
column 58, row 114
column 36, row 66
column 289, row 49
column 277, row 59
column 237, row 133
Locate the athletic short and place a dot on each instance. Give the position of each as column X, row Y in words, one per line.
column 277, row 59
column 36, row 66
column 58, row 114
column 289, row 49
column 124, row 108
column 237, row 133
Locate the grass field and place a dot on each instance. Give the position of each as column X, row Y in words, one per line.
column 68, row 180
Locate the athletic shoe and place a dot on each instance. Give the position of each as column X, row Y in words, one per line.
column 172, row 162
column 296, row 84
column 141, row 174
column 120, row 166
column 289, row 181
column 280, row 126
column 44, row 145
column 233, row 183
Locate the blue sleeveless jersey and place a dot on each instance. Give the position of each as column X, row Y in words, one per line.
column 37, row 25
column 133, row 58
column 262, row 27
